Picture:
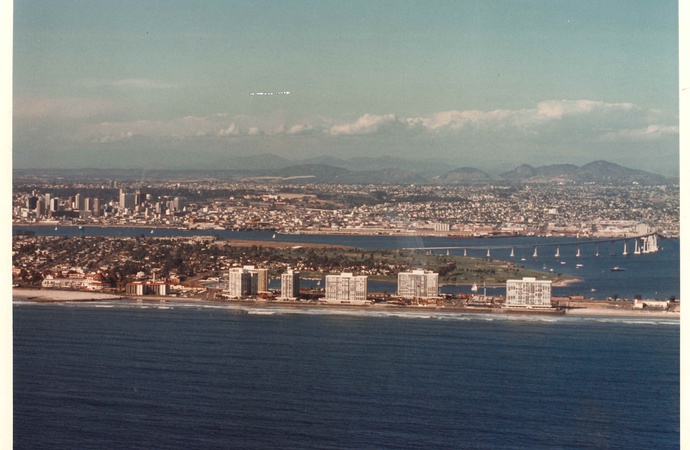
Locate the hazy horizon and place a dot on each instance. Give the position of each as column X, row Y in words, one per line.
column 488, row 84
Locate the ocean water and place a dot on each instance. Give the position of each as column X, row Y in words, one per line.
column 182, row 375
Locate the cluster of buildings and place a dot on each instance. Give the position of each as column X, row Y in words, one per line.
column 587, row 210
column 77, row 280
column 80, row 208
column 350, row 289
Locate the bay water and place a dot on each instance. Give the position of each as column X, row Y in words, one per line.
column 651, row 275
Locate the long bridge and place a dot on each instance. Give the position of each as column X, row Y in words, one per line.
column 632, row 245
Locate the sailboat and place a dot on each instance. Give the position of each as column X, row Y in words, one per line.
column 558, row 252
column 474, row 287
column 512, row 252
column 535, row 252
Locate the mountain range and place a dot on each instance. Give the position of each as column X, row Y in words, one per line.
column 389, row 170
column 378, row 170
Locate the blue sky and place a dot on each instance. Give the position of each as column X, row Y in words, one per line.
column 488, row 84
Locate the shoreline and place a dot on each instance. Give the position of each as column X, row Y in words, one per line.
column 325, row 232
column 64, row 296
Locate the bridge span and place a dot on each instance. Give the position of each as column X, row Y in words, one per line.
column 636, row 244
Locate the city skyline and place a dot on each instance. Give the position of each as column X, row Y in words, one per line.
column 484, row 84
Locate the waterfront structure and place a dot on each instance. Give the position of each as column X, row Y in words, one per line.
column 261, row 279
column 94, row 281
column 346, row 288
column 289, row 285
column 247, row 281
column 146, row 288
column 418, row 284
column 241, row 282
column 651, row 304
column 528, row 293
column 441, row 227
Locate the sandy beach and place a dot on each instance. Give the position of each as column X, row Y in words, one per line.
column 46, row 295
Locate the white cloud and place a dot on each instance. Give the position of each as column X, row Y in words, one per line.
column 649, row 133
column 231, row 130
column 574, row 120
column 123, row 136
column 557, row 109
column 366, row 124
column 300, row 129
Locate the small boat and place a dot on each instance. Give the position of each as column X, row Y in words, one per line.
column 577, row 266
column 151, row 231
column 617, row 269
column 562, row 262
column 274, row 236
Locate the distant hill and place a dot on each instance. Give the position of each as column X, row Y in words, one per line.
column 597, row 171
column 365, row 170
column 263, row 161
column 380, row 163
column 603, row 170
column 464, row 175
column 525, row 171
column 323, row 173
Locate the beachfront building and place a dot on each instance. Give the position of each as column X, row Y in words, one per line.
column 146, row 288
column 289, row 285
column 346, row 288
column 528, row 293
column 247, row 281
column 418, row 284
column 241, row 282
column 261, row 278
column 94, row 281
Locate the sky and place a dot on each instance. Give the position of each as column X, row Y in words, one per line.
column 486, row 84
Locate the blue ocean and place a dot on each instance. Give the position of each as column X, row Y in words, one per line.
column 183, row 375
